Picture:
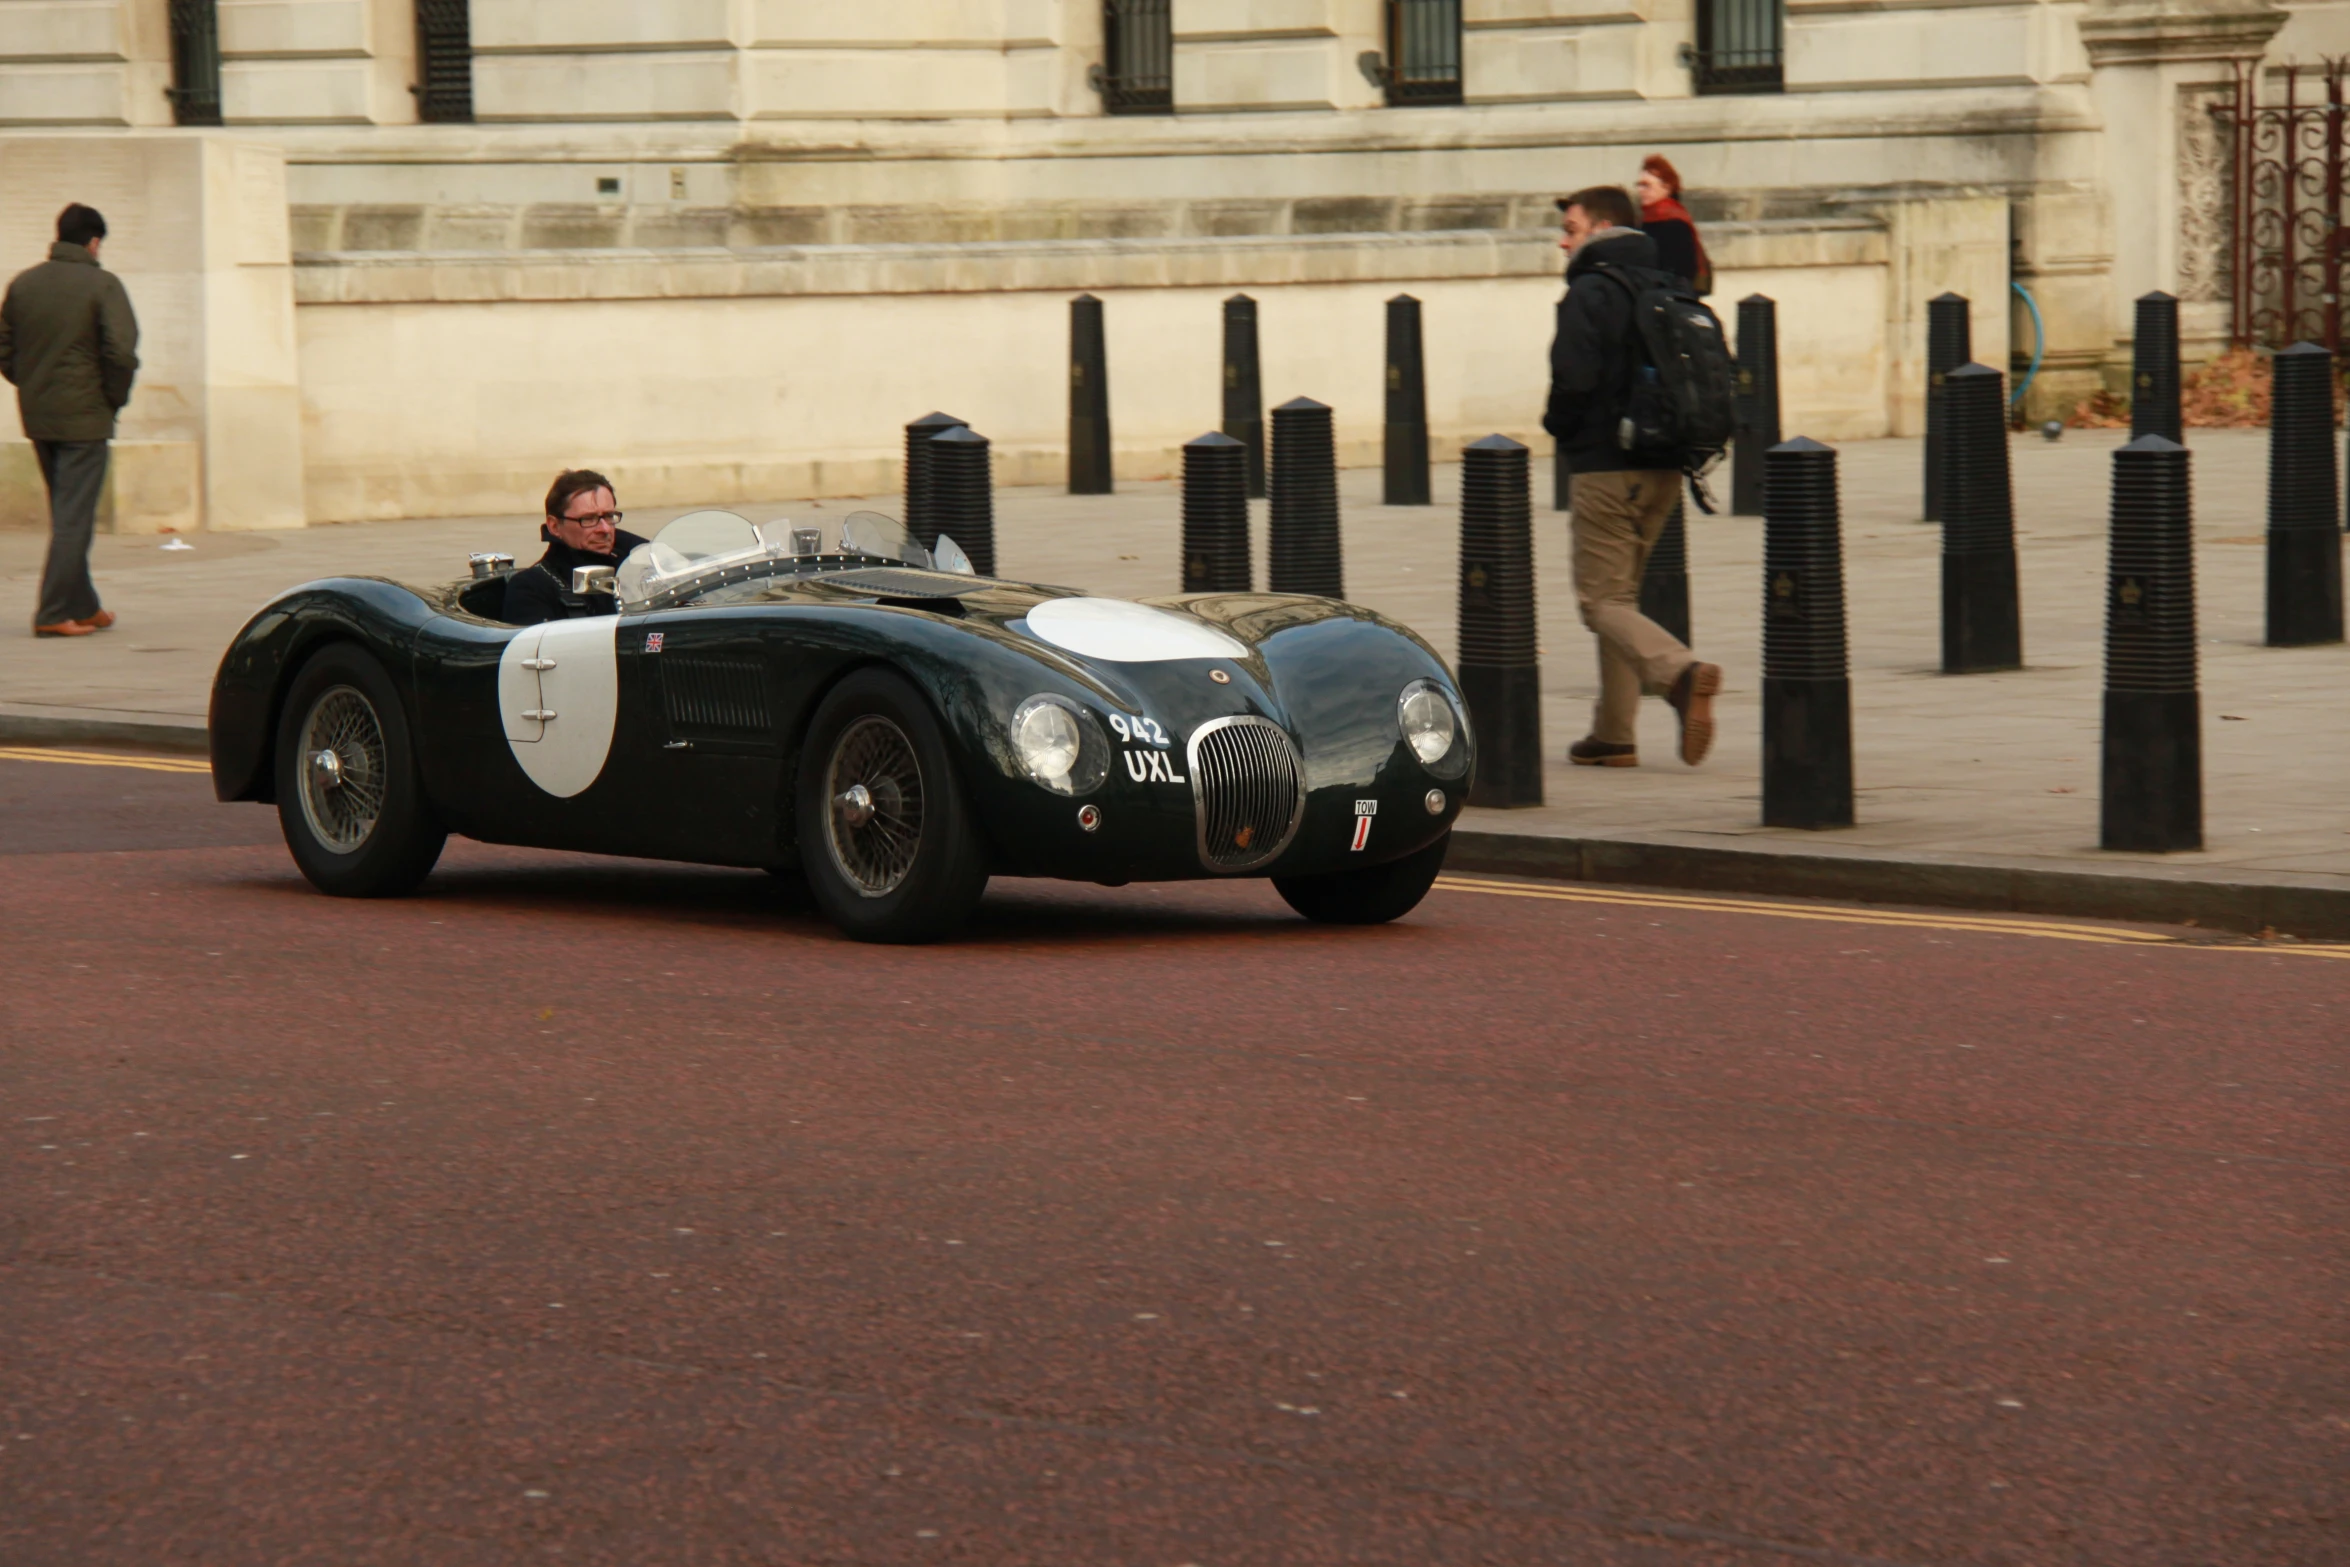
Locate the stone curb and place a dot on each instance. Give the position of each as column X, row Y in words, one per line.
column 2310, row 906
column 154, row 734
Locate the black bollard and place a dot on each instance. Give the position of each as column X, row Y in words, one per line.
column 1949, row 344
column 1215, row 515
column 1089, row 399
column 2304, row 546
column 1982, row 621
column 1807, row 685
column 1757, row 403
column 1407, row 406
column 2154, row 369
column 1304, row 550
column 1244, row 388
column 1562, row 483
column 1664, row 583
column 962, row 494
column 2153, row 763
column 918, row 436
column 1500, row 666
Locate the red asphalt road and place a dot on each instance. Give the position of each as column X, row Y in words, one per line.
column 599, row 1212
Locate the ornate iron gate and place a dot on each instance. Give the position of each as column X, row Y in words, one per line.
column 2284, row 131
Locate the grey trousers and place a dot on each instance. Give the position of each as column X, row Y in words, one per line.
column 75, row 472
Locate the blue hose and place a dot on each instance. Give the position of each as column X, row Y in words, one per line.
column 2039, row 345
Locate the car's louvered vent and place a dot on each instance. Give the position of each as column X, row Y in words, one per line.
column 716, row 696
column 1249, row 790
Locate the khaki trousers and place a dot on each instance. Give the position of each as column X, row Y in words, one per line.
column 1614, row 526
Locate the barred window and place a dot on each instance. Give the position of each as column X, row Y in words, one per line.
column 444, row 62
column 1423, row 52
column 1740, row 46
column 195, row 62
column 1138, row 71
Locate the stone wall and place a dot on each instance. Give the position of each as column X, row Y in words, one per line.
column 455, row 384
column 197, row 232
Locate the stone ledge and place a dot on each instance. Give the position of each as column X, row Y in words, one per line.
column 404, row 277
column 23, row 724
column 2313, row 906
column 1972, row 111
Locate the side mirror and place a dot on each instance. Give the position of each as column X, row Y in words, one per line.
column 591, row 579
column 488, row 563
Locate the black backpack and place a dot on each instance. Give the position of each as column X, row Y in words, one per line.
column 1682, row 386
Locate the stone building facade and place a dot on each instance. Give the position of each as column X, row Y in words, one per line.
column 725, row 248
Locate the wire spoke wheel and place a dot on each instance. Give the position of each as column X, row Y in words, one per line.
column 343, row 767
column 875, row 789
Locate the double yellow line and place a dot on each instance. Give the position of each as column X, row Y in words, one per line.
column 1980, row 924
column 1619, row 897
column 146, row 764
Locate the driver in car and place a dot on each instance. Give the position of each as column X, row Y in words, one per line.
column 582, row 529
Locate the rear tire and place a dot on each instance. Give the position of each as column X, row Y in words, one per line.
column 348, row 796
column 886, row 835
column 1371, row 896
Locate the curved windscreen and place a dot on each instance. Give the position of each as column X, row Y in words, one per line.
column 880, row 535
column 698, row 535
column 704, row 548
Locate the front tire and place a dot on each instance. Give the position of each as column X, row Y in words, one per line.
column 348, row 796
column 1371, row 896
column 886, row 835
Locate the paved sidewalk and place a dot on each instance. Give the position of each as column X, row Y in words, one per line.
column 1954, row 772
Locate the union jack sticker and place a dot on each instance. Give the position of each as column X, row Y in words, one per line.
column 653, row 641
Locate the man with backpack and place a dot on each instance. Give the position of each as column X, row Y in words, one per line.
column 1638, row 397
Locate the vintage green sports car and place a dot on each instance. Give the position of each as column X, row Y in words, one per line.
column 860, row 709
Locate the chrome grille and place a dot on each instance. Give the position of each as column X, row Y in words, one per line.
column 1248, row 789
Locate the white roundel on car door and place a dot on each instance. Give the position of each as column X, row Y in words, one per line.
column 558, row 697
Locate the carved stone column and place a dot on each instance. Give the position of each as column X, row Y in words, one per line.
column 2158, row 65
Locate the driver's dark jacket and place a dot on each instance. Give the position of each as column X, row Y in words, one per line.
column 542, row 590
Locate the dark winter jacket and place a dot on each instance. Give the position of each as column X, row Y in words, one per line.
column 1676, row 250
column 1593, row 356
column 70, row 345
column 542, row 591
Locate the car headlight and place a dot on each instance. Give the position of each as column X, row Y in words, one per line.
column 1059, row 745
column 1430, row 726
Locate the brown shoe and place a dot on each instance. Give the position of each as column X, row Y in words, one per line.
column 1692, row 697
column 100, row 621
column 1588, row 752
column 65, row 628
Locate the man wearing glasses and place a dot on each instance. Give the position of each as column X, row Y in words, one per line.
column 582, row 529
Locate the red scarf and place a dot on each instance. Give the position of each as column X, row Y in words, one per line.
column 1671, row 207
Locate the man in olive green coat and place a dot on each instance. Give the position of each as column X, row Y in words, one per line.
column 69, row 344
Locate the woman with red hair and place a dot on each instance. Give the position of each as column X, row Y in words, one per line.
column 1664, row 220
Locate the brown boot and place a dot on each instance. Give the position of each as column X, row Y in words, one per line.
column 1692, row 697
column 1588, row 752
